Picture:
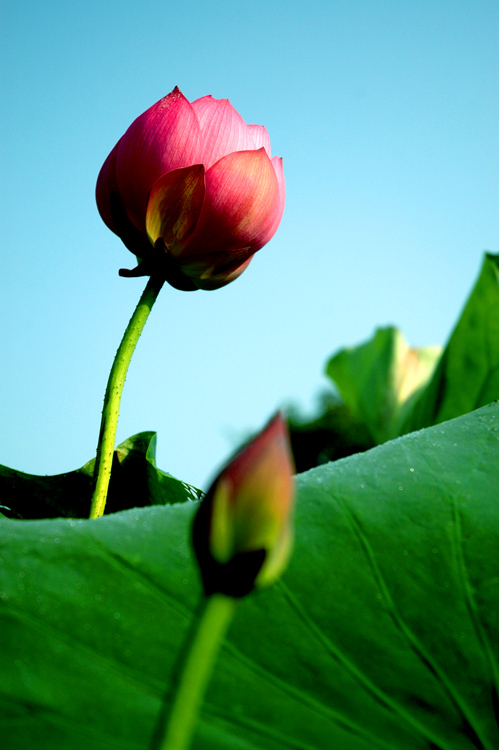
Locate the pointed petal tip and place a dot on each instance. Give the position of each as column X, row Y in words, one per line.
column 248, row 512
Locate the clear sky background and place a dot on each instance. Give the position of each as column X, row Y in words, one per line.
column 386, row 116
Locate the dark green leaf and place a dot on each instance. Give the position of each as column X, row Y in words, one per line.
column 135, row 482
column 383, row 634
column 332, row 433
column 467, row 375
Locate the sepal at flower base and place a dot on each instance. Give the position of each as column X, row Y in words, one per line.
column 243, row 531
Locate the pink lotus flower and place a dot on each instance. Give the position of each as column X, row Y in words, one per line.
column 197, row 182
column 243, row 531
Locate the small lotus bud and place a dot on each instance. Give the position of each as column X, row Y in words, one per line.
column 243, row 531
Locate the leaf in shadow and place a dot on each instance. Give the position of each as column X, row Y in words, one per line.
column 332, row 433
column 135, row 482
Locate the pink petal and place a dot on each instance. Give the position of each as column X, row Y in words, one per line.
column 277, row 164
column 223, row 130
column 106, row 185
column 240, row 207
column 175, row 204
column 163, row 138
column 113, row 212
column 260, row 137
column 266, row 464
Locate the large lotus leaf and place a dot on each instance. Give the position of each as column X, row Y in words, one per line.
column 135, row 482
column 467, row 375
column 383, row 633
column 380, row 379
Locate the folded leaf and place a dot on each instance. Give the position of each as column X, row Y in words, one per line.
column 467, row 375
column 380, row 380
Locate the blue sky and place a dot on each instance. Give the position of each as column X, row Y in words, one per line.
column 385, row 114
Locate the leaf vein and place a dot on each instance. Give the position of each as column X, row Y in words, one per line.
column 412, row 639
column 73, row 726
column 380, row 695
column 323, row 710
column 263, row 730
column 122, row 669
column 470, row 599
column 147, row 581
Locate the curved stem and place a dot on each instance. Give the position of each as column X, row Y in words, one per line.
column 196, row 673
column 112, row 398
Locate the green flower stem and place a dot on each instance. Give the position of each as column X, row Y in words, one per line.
column 112, row 398
column 196, row 673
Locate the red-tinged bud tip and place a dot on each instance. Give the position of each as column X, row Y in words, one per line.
column 243, row 531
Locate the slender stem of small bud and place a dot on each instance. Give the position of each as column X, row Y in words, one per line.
column 196, row 673
column 112, row 398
